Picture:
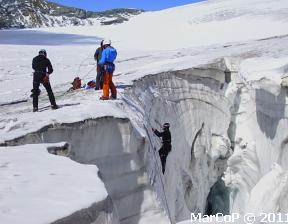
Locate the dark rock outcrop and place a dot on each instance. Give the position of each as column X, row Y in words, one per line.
column 42, row 13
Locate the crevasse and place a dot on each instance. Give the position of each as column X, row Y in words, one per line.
column 228, row 145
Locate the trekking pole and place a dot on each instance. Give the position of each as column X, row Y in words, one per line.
column 159, row 172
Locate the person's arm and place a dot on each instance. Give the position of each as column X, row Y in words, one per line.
column 96, row 54
column 156, row 132
column 34, row 64
column 50, row 68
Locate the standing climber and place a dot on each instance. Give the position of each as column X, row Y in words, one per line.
column 100, row 68
column 42, row 69
column 166, row 143
column 108, row 57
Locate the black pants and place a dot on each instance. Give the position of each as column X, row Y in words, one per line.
column 99, row 78
column 163, row 153
column 37, row 80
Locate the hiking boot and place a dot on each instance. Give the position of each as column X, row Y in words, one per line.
column 113, row 97
column 104, row 98
column 35, row 109
column 54, row 107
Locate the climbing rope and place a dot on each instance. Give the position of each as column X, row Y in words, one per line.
column 85, row 76
column 80, row 65
column 159, row 172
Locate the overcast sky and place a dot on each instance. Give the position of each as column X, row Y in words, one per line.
column 100, row 5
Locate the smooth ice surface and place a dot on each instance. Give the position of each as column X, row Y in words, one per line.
column 37, row 187
column 34, row 37
column 200, row 24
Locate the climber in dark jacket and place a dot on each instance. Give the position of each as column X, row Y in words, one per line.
column 100, row 68
column 42, row 69
column 166, row 143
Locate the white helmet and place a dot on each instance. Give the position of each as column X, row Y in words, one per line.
column 106, row 42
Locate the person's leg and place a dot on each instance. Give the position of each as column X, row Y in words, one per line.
column 112, row 87
column 36, row 85
column 106, row 87
column 101, row 81
column 50, row 93
column 97, row 87
column 163, row 153
column 163, row 162
column 162, row 158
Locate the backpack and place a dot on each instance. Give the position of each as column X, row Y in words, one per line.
column 112, row 54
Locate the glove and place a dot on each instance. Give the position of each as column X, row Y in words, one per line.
column 46, row 79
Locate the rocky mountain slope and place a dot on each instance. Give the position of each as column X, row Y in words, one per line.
column 41, row 13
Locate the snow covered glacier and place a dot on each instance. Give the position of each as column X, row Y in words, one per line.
column 126, row 159
column 207, row 107
column 224, row 98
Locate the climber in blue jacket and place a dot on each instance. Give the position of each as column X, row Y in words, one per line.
column 108, row 57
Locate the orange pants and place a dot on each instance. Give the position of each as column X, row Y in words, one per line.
column 108, row 84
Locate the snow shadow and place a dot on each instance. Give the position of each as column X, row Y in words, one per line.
column 270, row 109
column 33, row 37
